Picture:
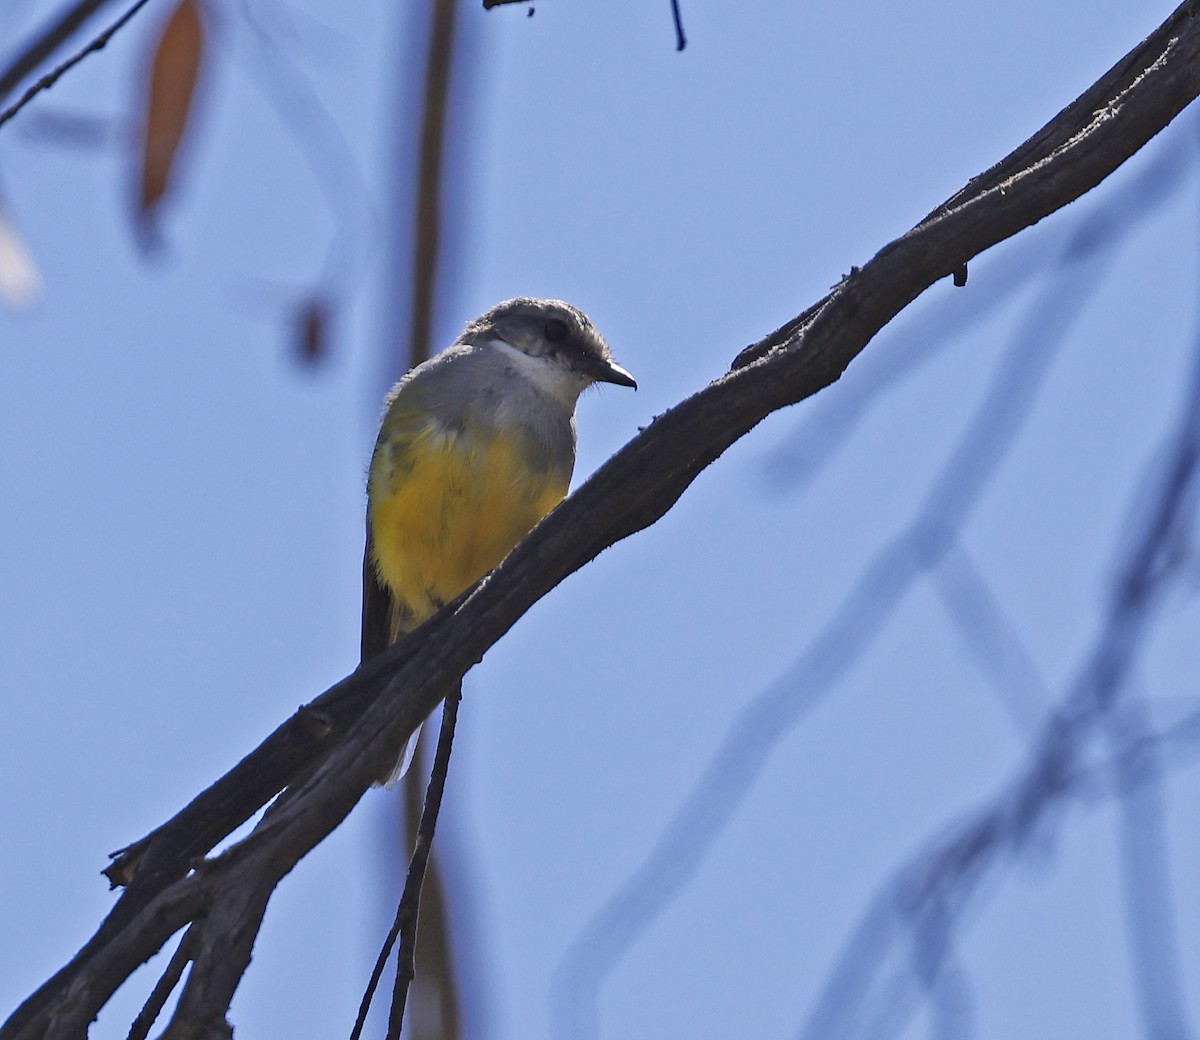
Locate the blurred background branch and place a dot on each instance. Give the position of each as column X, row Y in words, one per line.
column 872, row 991
column 1065, row 285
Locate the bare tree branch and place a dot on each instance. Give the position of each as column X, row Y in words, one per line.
column 163, row 989
column 52, row 77
column 49, row 40
column 677, row 18
column 395, row 691
column 829, row 422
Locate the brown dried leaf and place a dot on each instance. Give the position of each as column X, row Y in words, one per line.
column 313, row 330
column 174, row 72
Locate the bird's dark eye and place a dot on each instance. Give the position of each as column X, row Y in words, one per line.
column 556, row 331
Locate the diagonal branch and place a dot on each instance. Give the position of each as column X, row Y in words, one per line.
column 39, row 49
column 391, row 694
column 53, row 76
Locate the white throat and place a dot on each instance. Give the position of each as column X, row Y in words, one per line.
column 553, row 379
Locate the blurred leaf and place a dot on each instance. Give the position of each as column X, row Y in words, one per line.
column 313, row 340
column 20, row 282
column 173, row 75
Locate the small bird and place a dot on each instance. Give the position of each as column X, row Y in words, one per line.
column 476, row 445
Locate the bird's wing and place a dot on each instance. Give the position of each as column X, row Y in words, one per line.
column 384, row 618
column 376, row 607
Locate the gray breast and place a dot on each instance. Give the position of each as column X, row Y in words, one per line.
column 474, row 388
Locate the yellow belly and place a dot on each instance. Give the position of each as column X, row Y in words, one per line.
column 446, row 508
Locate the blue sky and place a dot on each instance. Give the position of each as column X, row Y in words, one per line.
column 183, row 505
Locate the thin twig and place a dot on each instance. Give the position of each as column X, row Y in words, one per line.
column 52, row 77
column 376, row 974
column 406, row 912
column 410, row 900
column 46, row 43
column 164, row 987
column 680, row 39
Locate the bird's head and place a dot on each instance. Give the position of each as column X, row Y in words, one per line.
column 554, row 345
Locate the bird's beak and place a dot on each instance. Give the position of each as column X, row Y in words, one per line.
column 611, row 372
